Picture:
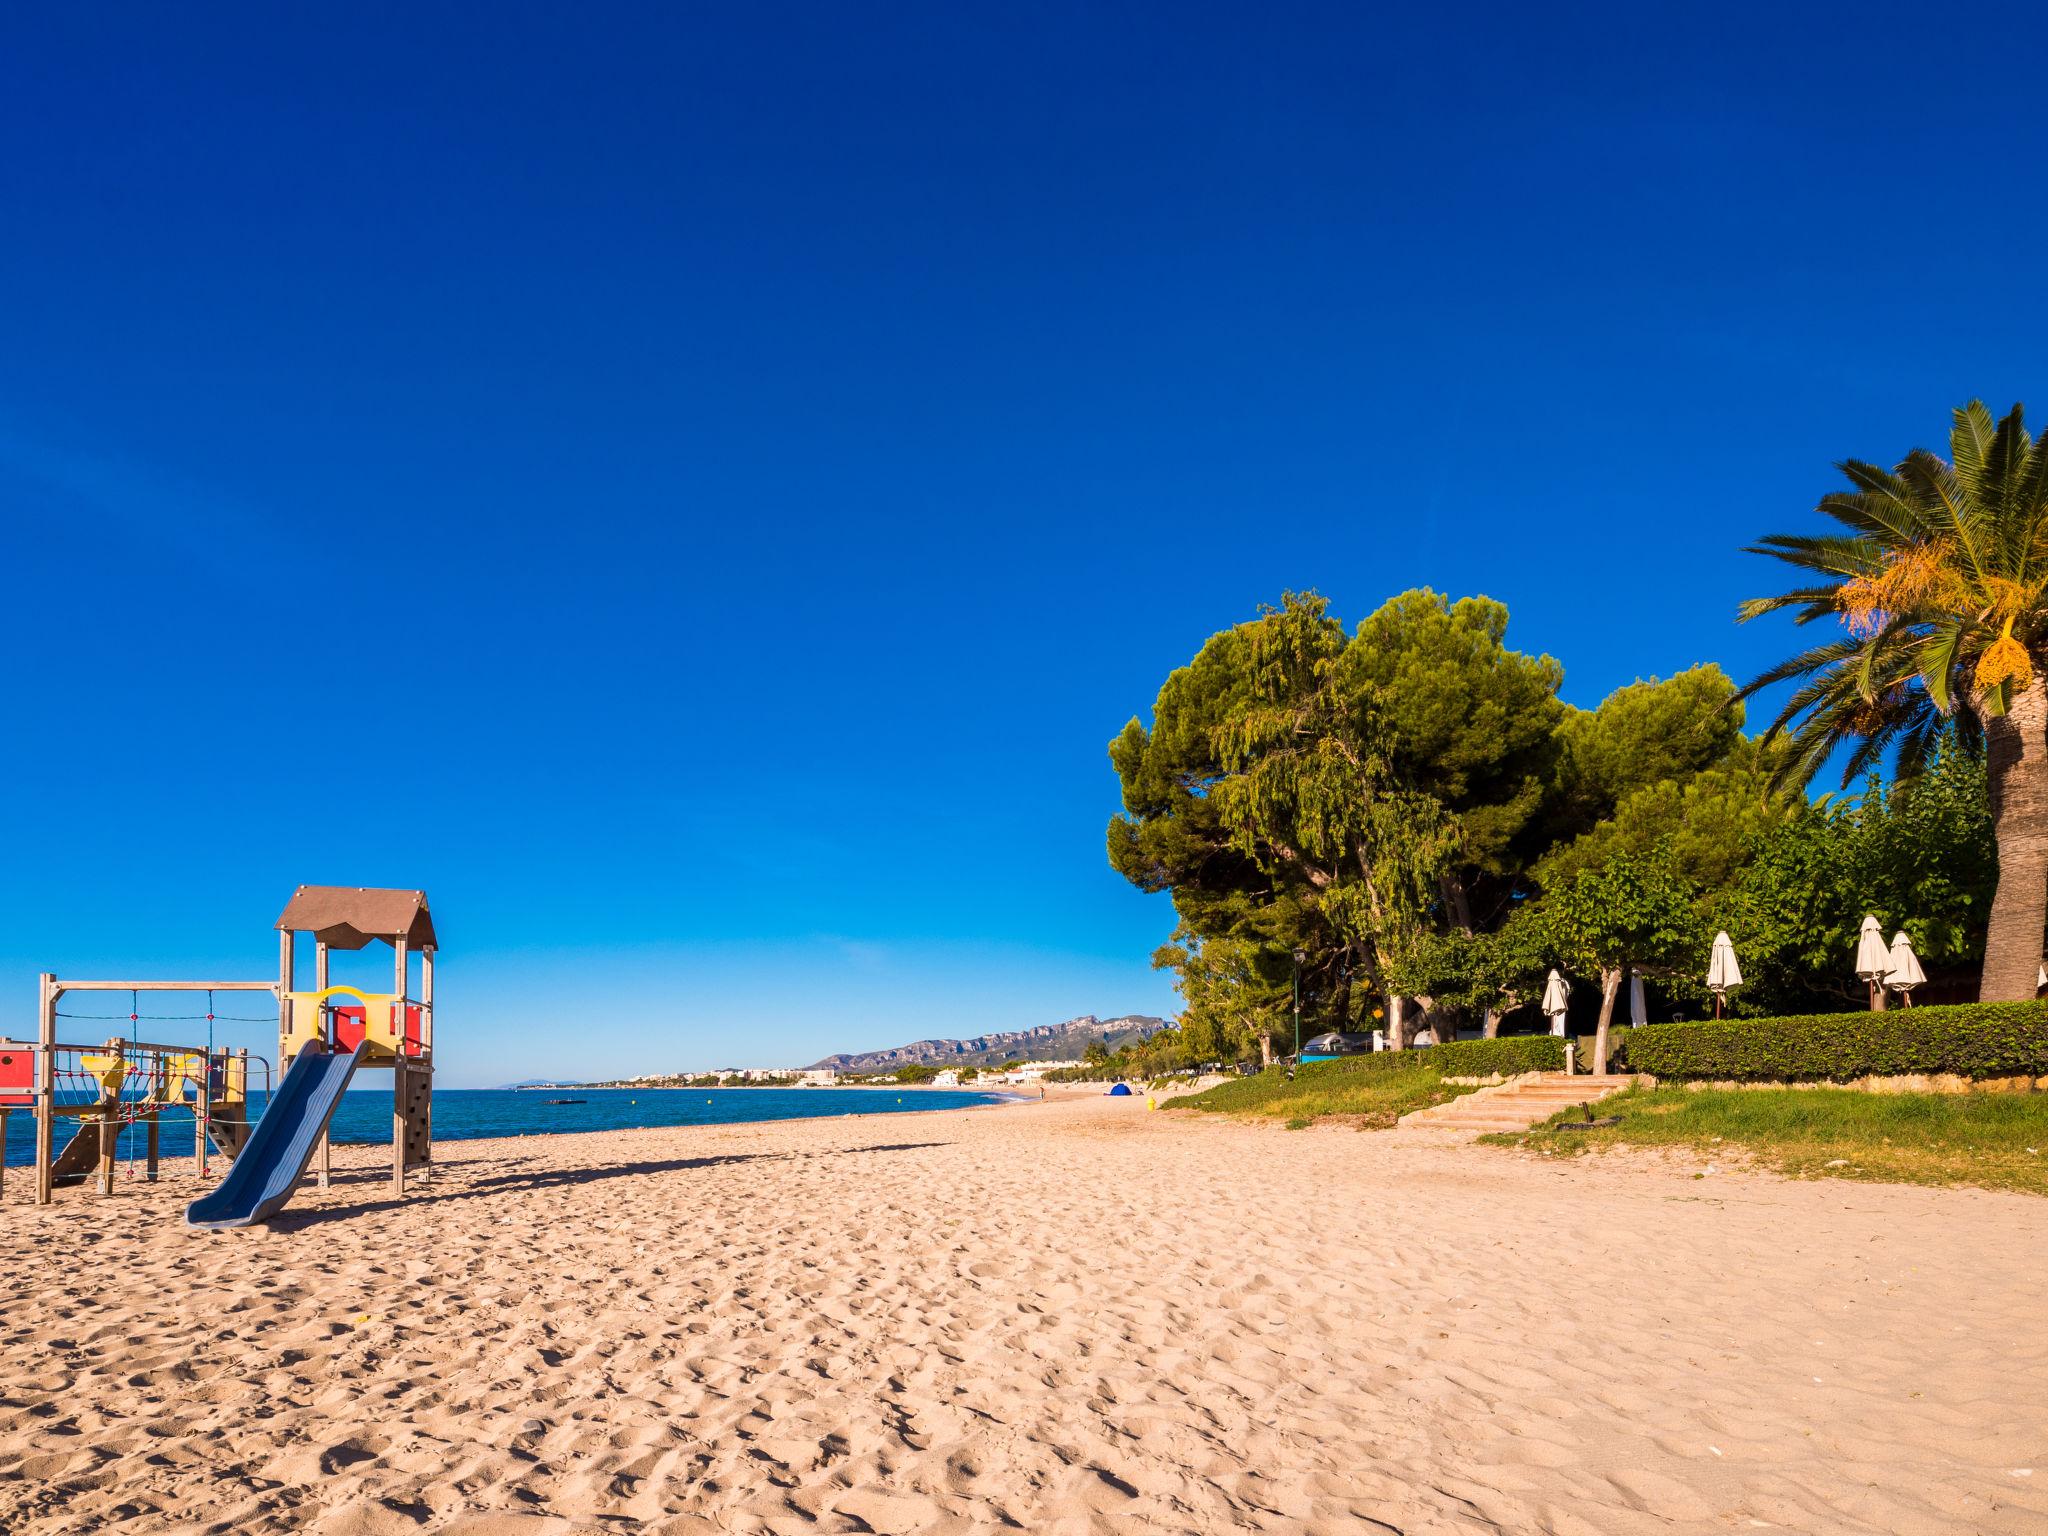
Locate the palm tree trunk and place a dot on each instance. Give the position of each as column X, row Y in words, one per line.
column 1610, row 988
column 2016, row 755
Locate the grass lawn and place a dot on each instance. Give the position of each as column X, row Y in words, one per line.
column 1993, row 1140
column 1370, row 1098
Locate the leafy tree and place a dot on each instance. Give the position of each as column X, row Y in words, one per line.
column 1941, row 583
column 1235, row 995
column 1635, row 910
column 1710, row 821
column 915, row 1074
column 1263, row 796
column 1920, row 855
column 1472, row 725
column 1650, row 732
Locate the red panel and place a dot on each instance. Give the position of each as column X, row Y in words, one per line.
column 17, row 1075
column 348, row 1029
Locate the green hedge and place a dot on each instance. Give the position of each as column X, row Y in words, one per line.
column 1465, row 1058
column 1973, row 1040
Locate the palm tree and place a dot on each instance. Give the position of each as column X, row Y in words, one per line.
column 1941, row 583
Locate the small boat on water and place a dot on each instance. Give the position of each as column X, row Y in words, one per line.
column 565, row 1101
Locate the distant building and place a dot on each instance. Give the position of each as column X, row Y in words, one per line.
column 947, row 1079
column 1029, row 1071
column 820, row 1077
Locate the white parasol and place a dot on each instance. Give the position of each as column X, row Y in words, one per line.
column 1722, row 971
column 1905, row 973
column 1556, row 993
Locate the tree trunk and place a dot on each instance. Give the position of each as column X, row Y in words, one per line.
column 1265, row 1049
column 1457, row 904
column 1492, row 1025
column 1610, row 988
column 1396, row 1026
column 2016, row 757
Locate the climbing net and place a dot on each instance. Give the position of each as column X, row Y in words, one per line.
column 127, row 1082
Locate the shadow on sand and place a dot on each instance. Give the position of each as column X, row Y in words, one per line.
column 553, row 1178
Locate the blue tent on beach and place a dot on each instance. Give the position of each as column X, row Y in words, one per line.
column 1120, row 1091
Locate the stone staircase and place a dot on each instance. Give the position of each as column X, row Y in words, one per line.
column 1517, row 1104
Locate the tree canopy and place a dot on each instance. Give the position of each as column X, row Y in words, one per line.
column 1414, row 812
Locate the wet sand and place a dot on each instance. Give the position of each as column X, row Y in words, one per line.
column 1072, row 1317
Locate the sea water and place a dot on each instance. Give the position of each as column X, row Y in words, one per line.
column 464, row 1114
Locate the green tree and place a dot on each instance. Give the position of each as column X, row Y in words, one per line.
column 1636, row 910
column 1264, row 797
column 1472, row 725
column 1235, row 997
column 1649, row 732
column 1941, row 583
column 1919, row 855
column 1710, row 821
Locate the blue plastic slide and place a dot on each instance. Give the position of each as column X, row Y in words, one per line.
column 282, row 1142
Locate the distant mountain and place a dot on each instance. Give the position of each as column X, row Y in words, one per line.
column 1045, row 1042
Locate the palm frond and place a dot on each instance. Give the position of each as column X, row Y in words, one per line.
column 1939, row 657
column 1806, row 661
column 1882, row 507
column 1970, row 442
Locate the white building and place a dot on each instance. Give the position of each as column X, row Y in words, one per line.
column 1029, row 1071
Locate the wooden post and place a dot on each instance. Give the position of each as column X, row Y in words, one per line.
column 399, row 1075
column 202, row 1111
column 150, row 1156
column 326, row 1151
column 110, row 1107
column 3, row 1151
column 284, row 986
column 46, row 1084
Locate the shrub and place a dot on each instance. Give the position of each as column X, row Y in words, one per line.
column 1465, row 1058
column 1974, row 1040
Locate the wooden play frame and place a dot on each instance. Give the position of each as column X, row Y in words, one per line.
column 337, row 917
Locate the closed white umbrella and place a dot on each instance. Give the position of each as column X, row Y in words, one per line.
column 1722, row 971
column 1556, row 993
column 1905, row 973
column 1638, row 1010
column 1873, row 959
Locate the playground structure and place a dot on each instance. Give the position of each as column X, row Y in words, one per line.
column 118, row 1085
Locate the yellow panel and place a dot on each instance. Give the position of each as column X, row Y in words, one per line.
column 112, row 1071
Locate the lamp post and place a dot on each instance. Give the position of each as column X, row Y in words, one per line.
column 1298, row 958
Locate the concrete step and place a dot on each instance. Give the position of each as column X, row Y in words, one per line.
column 1517, row 1105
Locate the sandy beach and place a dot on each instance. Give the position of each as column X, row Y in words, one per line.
column 1072, row 1317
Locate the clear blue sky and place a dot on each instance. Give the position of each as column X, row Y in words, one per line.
column 697, row 492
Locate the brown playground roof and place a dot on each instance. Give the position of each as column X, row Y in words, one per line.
column 350, row 916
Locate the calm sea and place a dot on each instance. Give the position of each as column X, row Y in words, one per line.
column 464, row 1114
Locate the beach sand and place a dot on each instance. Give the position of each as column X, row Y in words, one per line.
column 1069, row 1317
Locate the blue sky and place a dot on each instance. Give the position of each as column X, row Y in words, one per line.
column 697, row 492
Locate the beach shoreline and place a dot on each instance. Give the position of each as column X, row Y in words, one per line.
column 1086, row 1318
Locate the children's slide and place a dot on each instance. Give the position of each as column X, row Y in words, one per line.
column 281, row 1143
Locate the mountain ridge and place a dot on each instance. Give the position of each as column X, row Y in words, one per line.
column 1063, row 1041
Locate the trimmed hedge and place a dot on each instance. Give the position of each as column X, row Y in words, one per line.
column 1974, row 1040
column 1464, row 1058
